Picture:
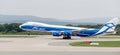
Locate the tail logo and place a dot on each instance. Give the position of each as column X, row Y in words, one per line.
column 109, row 25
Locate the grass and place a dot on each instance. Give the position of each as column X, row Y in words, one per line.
column 24, row 33
column 101, row 44
column 9, row 35
column 17, row 36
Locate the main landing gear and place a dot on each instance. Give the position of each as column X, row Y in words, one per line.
column 68, row 37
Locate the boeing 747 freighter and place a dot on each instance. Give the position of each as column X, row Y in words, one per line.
column 67, row 32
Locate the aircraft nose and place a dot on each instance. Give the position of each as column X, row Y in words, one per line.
column 20, row 26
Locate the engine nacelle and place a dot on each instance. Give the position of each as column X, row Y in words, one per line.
column 56, row 34
column 67, row 33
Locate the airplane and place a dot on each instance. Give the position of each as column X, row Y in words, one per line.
column 67, row 32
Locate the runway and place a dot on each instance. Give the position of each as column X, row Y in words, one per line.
column 47, row 43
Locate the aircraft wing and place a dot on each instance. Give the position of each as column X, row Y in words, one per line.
column 73, row 31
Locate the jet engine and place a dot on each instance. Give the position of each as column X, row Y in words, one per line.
column 56, row 33
column 67, row 33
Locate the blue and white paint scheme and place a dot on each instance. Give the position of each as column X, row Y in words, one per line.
column 67, row 32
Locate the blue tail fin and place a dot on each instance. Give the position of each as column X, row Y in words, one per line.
column 108, row 26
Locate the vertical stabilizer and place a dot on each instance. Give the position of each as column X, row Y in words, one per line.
column 108, row 26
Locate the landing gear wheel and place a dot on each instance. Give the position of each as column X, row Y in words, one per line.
column 66, row 37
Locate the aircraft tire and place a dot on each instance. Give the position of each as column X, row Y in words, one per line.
column 66, row 37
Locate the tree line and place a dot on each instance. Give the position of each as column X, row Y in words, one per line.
column 14, row 28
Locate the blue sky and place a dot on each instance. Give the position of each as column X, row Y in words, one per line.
column 62, row 9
